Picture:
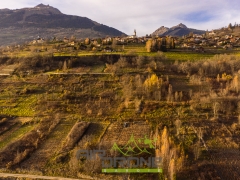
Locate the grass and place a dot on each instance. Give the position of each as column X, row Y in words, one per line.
column 16, row 135
column 97, row 69
column 25, row 107
column 187, row 56
column 129, row 49
column 84, row 96
column 182, row 56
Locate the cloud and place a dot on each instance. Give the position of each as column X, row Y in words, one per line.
column 198, row 16
column 143, row 15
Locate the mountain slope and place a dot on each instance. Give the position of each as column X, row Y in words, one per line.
column 178, row 30
column 44, row 17
column 160, row 31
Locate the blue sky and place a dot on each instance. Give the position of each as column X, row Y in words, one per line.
column 143, row 15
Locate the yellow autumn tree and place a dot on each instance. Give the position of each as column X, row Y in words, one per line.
column 165, row 143
column 87, row 41
column 235, row 83
column 149, row 45
column 171, row 169
column 152, row 81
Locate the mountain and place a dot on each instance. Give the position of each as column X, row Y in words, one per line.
column 160, row 31
column 178, row 30
column 47, row 21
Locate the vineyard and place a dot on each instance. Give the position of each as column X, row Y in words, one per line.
column 186, row 112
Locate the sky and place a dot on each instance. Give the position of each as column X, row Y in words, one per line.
column 145, row 15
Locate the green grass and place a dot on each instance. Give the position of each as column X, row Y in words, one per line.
column 25, row 107
column 16, row 135
column 140, row 51
column 97, row 69
column 129, row 49
column 187, row 56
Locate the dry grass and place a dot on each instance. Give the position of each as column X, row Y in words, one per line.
column 17, row 151
column 73, row 137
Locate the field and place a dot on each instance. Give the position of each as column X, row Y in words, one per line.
column 49, row 49
column 181, row 106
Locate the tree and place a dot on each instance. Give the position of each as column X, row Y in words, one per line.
column 72, row 38
column 87, row 41
column 191, row 34
column 153, row 45
column 230, row 27
column 152, row 81
column 140, row 61
column 114, row 43
column 172, row 46
column 170, row 96
column 99, row 41
column 122, row 47
column 149, row 45
column 64, row 66
column 216, row 107
column 163, row 44
column 178, row 124
column 122, row 62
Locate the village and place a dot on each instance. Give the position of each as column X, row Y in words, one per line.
column 221, row 39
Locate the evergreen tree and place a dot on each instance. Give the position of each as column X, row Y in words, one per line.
column 164, row 44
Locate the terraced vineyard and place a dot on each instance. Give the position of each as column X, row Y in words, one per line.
column 49, row 147
column 121, row 133
column 183, row 112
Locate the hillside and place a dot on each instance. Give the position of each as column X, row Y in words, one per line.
column 178, row 30
column 52, row 107
column 21, row 25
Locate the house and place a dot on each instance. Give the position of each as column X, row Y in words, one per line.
column 107, row 40
column 40, row 40
column 66, row 40
column 33, row 42
column 72, row 43
column 227, row 36
column 133, row 36
column 197, row 36
column 107, row 49
column 212, row 33
column 83, row 47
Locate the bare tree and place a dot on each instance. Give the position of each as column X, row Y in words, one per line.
column 64, row 68
column 178, row 124
column 196, row 150
column 170, row 96
column 216, row 107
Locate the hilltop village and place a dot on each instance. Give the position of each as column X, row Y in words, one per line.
column 225, row 38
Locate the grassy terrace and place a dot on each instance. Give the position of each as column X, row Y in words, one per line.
column 129, row 49
column 24, row 107
column 148, row 94
column 14, row 134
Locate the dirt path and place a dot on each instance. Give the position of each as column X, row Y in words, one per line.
column 53, row 73
column 46, row 150
column 8, row 175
